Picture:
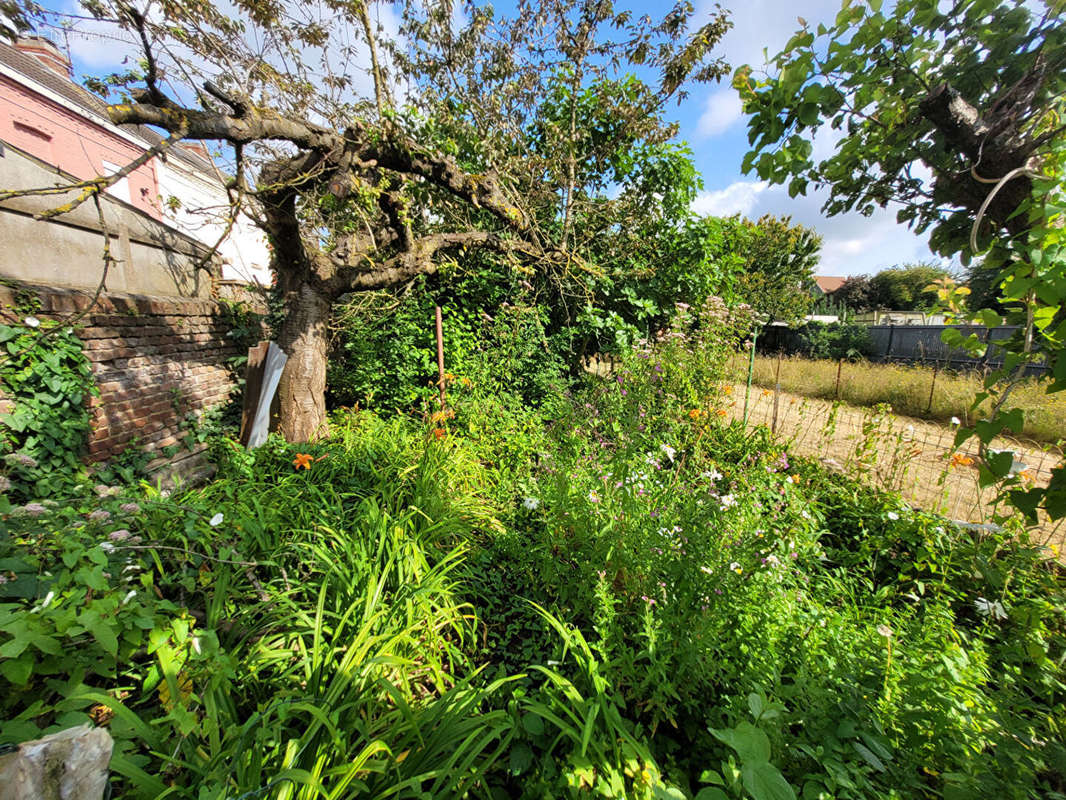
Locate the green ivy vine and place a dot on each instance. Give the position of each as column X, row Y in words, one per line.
column 45, row 381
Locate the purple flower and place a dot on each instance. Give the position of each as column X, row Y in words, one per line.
column 33, row 509
column 100, row 515
column 130, row 508
column 120, row 535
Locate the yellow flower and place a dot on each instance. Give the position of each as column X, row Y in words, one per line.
column 694, row 413
column 302, row 460
column 766, row 393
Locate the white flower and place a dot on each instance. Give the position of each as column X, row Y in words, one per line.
column 670, row 452
column 885, row 631
column 531, row 503
column 892, row 515
column 956, row 421
column 44, row 603
column 32, row 322
column 129, row 596
column 196, row 644
column 707, row 570
column 727, row 501
column 735, row 566
column 216, row 520
column 713, row 475
column 107, row 547
column 990, row 608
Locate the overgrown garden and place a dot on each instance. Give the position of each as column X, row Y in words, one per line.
column 556, row 584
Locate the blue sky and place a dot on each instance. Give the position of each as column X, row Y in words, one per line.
column 712, row 123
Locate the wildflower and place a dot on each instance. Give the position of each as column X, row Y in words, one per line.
column 727, row 389
column 32, row 322
column 100, row 515
column 885, row 631
column 668, row 450
column 302, row 460
column 531, row 503
column 960, row 460
column 990, row 608
column 593, row 497
column 107, row 547
column 44, row 603
column 766, row 393
column 120, row 535
column 721, row 412
column 439, row 433
column 1026, row 475
column 129, row 596
column 771, row 560
column 196, row 645
column 216, row 520
column 892, row 515
column 130, row 508
column 735, row 566
column 650, row 601
column 713, row 475
column 694, row 413
column 33, row 509
column 727, row 501
column 707, row 570
column 956, row 421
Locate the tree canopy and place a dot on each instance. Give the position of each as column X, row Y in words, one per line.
column 487, row 134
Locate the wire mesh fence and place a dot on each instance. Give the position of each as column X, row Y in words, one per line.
column 914, row 457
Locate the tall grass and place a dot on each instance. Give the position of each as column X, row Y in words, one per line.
column 907, row 389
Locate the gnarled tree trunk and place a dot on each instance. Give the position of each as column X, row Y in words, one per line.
column 304, row 338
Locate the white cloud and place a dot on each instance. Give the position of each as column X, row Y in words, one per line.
column 722, row 111
column 737, row 198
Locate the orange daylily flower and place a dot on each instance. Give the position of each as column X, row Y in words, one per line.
column 439, row 433
column 766, row 393
column 721, row 412
column 694, row 413
column 302, row 460
column 959, row 460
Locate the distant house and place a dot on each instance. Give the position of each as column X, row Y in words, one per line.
column 44, row 113
column 826, row 284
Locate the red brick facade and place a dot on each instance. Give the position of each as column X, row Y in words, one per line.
column 154, row 360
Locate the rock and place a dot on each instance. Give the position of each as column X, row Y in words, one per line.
column 69, row 765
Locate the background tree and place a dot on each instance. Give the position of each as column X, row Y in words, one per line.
column 903, row 288
column 777, row 262
column 855, row 294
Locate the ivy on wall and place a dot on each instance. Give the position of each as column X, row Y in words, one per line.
column 45, row 381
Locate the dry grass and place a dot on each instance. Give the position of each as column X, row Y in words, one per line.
column 907, row 390
column 896, row 453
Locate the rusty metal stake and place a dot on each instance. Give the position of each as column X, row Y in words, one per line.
column 932, row 386
column 777, row 390
column 440, row 357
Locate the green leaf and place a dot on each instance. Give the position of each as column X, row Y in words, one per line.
column 868, row 756
column 711, row 793
column 764, row 781
column 533, row 724
column 750, row 743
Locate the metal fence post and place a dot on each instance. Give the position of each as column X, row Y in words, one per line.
column 751, row 373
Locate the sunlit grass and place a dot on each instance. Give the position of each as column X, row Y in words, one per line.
column 910, row 391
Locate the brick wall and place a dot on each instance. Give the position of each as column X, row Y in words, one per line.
column 154, row 360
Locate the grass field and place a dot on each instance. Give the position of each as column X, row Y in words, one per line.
column 907, row 389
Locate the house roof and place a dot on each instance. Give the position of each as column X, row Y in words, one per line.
column 829, row 283
column 91, row 105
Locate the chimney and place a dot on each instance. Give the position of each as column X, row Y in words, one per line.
column 197, row 148
column 45, row 51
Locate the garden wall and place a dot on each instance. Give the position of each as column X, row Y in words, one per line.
column 157, row 361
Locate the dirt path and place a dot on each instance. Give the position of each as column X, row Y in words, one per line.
column 908, row 455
